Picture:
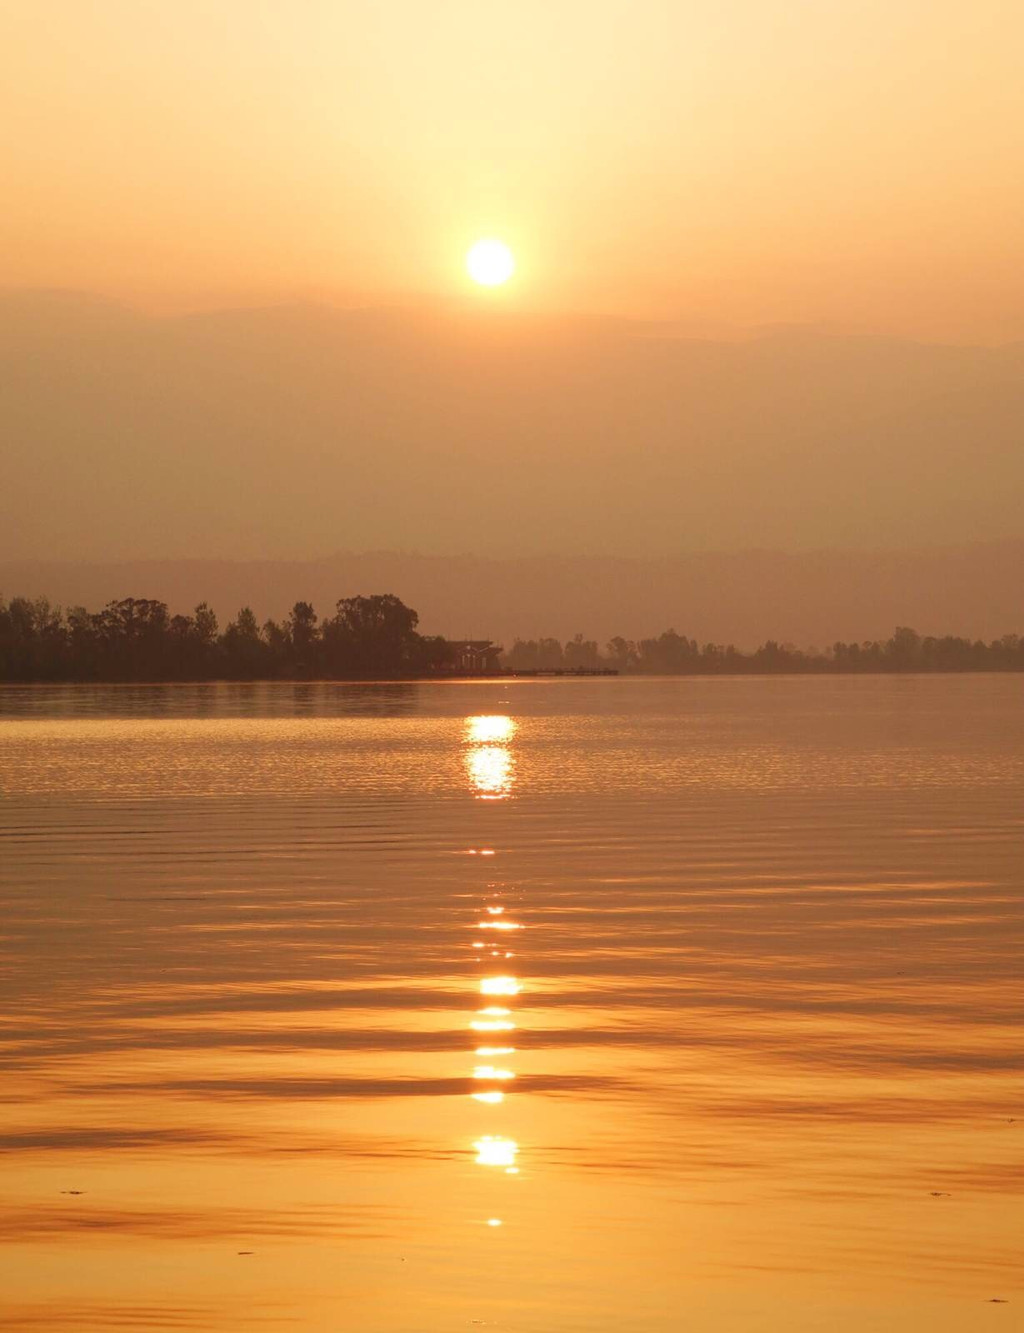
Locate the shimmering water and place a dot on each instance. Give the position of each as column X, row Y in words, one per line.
column 539, row 1006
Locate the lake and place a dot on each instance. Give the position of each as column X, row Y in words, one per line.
column 527, row 1006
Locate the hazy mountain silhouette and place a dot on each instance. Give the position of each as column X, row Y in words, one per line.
column 290, row 431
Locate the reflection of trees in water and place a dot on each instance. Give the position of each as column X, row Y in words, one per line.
column 248, row 699
column 332, row 699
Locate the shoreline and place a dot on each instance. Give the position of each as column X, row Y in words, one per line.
column 497, row 676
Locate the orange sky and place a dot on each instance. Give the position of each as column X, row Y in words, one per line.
column 723, row 162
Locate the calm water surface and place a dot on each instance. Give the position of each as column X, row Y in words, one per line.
column 526, row 1006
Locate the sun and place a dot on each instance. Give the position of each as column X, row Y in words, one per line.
column 490, row 262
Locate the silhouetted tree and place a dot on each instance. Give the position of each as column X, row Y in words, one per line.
column 581, row 654
column 622, row 654
column 371, row 636
column 132, row 639
column 302, row 639
column 669, row 654
column 247, row 656
column 904, row 649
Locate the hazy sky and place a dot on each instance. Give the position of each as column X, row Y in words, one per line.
column 717, row 161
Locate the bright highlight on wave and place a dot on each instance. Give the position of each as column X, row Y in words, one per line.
column 490, row 729
column 491, row 1025
column 490, row 771
column 489, row 1072
column 493, row 1150
column 499, row 986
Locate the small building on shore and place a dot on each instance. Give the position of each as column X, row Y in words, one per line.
column 475, row 657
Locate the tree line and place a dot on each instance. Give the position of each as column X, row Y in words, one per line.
column 137, row 639
column 673, row 654
column 376, row 637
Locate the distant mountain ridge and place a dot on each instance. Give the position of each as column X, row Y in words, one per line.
column 306, row 428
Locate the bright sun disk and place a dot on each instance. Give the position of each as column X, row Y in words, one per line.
column 490, row 263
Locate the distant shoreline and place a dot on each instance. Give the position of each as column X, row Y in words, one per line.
column 495, row 678
column 375, row 638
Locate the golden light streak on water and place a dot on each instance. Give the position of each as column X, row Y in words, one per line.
column 491, row 772
column 495, row 1150
column 499, row 986
column 770, row 1024
column 497, row 728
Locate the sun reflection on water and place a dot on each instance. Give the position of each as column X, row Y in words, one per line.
column 499, row 986
column 490, row 766
column 490, row 729
column 492, row 1072
column 489, row 761
column 490, row 770
column 496, row 1150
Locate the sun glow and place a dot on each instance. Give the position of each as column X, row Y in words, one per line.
column 490, row 263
